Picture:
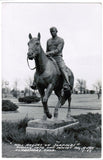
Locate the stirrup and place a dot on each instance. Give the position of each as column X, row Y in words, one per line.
column 66, row 86
column 33, row 86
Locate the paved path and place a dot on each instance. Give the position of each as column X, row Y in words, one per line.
column 81, row 104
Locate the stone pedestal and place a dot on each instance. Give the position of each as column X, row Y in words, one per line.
column 50, row 126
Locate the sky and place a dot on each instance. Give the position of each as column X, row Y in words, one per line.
column 79, row 24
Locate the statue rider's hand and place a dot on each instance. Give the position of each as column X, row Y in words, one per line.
column 49, row 53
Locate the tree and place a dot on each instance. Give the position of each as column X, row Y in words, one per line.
column 15, row 84
column 29, row 82
column 98, row 88
column 81, row 85
column 26, row 91
column 15, row 89
column 3, row 83
column 5, row 88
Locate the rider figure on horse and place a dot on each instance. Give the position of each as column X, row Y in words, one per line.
column 54, row 49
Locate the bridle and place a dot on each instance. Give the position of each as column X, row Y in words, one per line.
column 29, row 65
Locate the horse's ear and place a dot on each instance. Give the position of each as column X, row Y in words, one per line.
column 39, row 36
column 30, row 36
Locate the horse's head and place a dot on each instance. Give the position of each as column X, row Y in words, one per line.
column 34, row 46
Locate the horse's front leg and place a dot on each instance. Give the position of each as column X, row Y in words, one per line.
column 41, row 91
column 45, row 99
column 48, row 93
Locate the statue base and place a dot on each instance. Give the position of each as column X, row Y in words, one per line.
column 50, row 126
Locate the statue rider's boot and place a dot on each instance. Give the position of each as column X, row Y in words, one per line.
column 66, row 85
column 33, row 86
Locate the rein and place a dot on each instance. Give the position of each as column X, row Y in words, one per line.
column 29, row 65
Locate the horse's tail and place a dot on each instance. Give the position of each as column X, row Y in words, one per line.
column 71, row 77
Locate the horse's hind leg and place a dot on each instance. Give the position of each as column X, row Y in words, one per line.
column 61, row 101
column 46, row 110
column 56, row 108
column 69, row 111
column 58, row 105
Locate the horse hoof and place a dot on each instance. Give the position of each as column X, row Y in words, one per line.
column 49, row 115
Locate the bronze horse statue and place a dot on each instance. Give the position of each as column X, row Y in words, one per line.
column 48, row 77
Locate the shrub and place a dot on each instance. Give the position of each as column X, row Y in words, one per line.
column 7, row 105
column 29, row 99
column 87, row 132
column 97, row 142
column 92, row 91
column 23, row 123
column 84, row 140
column 14, row 131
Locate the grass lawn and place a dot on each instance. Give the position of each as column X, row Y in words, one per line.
column 87, row 101
column 78, row 101
column 86, row 133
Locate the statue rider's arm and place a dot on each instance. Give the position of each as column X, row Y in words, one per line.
column 47, row 50
column 57, row 50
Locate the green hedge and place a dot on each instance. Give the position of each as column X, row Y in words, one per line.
column 7, row 105
column 29, row 99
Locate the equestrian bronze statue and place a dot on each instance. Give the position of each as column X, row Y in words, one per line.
column 48, row 77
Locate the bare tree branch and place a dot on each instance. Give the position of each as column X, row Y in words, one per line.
column 81, row 85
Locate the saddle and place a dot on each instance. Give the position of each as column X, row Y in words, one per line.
column 58, row 70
